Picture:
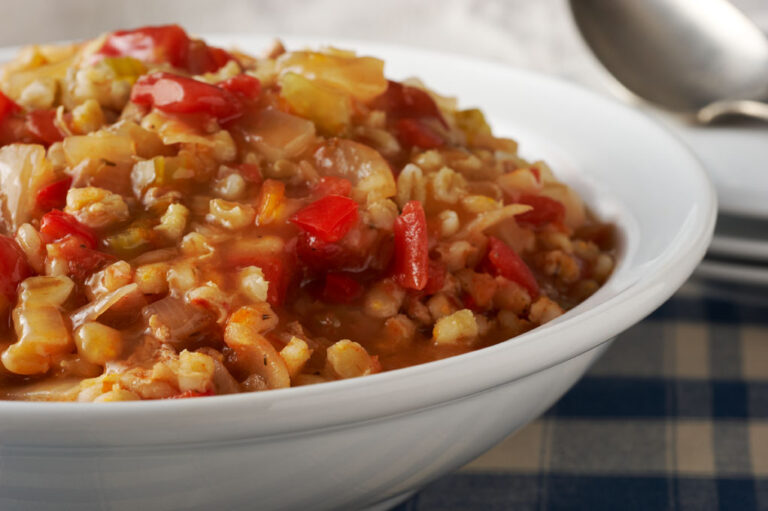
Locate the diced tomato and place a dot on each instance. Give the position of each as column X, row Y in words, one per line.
column 181, row 95
column 332, row 185
column 404, row 101
column 217, row 58
column 329, row 218
column 407, row 110
column 81, row 259
column 53, row 195
column 278, row 269
column 382, row 254
column 341, row 288
column 165, row 43
column 41, row 123
column 505, row 262
column 7, row 106
column 13, row 267
column 435, row 278
column 320, row 256
column 536, row 173
column 243, row 85
column 412, row 132
column 157, row 44
column 56, row 224
column 250, row 172
column 411, row 264
column 545, row 211
column 192, row 393
column 279, row 275
column 202, row 58
column 14, row 129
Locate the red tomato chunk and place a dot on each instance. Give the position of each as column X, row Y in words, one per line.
column 505, row 262
column 435, row 278
column 13, row 267
column 320, row 256
column 411, row 251
column 404, row 101
column 545, row 211
column 250, row 172
column 332, row 185
column 180, row 95
column 278, row 271
column 245, row 86
column 205, row 59
column 341, row 288
column 411, row 132
column 329, row 218
column 166, row 43
column 7, row 106
column 42, row 124
column 57, row 225
column 53, row 195
column 81, row 260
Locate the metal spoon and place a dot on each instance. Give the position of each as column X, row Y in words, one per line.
column 700, row 57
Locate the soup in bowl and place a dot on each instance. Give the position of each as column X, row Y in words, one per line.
column 347, row 442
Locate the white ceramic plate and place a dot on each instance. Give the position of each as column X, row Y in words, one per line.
column 733, row 272
column 740, row 237
column 736, row 157
column 370, row 441
column 745, row 248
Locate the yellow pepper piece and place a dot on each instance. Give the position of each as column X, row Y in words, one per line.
column 472, row 122
column 126, row 68
column 330, row 109
column 361, row 77
column 130, row 241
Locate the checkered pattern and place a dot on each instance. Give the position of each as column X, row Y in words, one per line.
column 674, row 416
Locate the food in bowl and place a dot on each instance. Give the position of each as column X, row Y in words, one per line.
column 185, row 221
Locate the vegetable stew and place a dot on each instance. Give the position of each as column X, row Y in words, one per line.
column 179, row 220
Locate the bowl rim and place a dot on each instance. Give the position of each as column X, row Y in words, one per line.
column 672, row 269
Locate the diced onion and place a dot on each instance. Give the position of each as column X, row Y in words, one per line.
column 361, row 77
column 279, row 135
column 183, row 320
column 23, row 170
column 156, row 256
column 368, row 171
column 99, row 146
column 93, row 310
column 486, row 220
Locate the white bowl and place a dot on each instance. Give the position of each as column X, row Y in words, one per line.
column 371, row 441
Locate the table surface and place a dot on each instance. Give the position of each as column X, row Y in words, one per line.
column 673, row 416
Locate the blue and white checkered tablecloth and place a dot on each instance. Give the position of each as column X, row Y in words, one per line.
column 673, row 417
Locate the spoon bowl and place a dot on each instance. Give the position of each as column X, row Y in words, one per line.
column 680, row 54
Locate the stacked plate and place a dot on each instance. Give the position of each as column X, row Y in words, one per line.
column 739, row 251
column 736, row 157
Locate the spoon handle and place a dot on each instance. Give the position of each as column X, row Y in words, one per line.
column 744, row 107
